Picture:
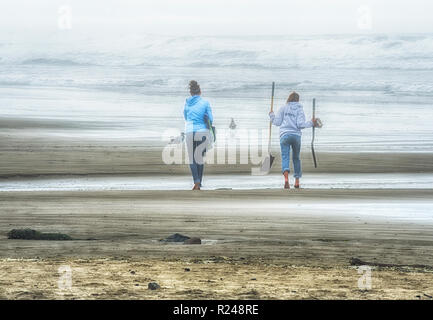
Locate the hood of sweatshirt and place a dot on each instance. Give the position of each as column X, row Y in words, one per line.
column 294, row 105
column 291, row 119
column 192, row 100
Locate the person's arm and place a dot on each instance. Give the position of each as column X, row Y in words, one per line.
column 184, row 111
column 277, row 120
column 209, row 113
column 300, row 120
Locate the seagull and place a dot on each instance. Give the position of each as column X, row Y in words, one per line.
column 232, row 124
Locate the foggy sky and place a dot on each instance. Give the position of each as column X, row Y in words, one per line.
column 221, row 17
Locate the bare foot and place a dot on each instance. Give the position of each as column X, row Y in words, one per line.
column 297, row 183
column 196, row 186
column 286, row 185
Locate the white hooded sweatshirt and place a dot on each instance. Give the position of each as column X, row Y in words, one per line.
column 291, row 119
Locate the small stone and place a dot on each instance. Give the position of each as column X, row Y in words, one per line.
column 177, row 237
column 187, row 269
column 132, row 272
column 153, row 286
column 253, row 279
column 193, row 241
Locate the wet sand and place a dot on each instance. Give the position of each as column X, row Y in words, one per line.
column 296, row 244
column 215, row 182
column 31, row 155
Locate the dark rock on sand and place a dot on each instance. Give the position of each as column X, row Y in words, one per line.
column 359, row 262
column 153, row 286
column 30, row 234
column 193, row 241
column 177, row 237
column 356, row 262
column 187, row 269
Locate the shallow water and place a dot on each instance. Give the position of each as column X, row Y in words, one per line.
column 214, row 182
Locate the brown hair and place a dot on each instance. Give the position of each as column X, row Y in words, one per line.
column 194, row 88
column 294, row 97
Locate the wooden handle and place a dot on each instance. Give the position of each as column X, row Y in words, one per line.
column 314, row 107
column 313, row 135
column 314, row 125
column 272, row 99
column 270, row 122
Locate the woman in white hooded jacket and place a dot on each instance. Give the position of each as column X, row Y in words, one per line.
column 291, row 120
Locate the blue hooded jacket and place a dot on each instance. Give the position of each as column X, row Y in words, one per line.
column 196, row 108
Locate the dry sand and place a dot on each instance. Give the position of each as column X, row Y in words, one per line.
column 291, row 253
column 206, row 279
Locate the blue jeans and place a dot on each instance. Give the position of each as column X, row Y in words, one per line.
column 196, row 143
column 291, row 141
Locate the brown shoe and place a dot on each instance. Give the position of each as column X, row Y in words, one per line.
column 297, row 184
column 196, row 186
column 286, row 185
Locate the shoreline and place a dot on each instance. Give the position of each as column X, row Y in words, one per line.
column 213, row 182
column 277, row 193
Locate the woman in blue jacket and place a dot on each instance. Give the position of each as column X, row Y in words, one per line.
column 291, row 120
column 197, row 113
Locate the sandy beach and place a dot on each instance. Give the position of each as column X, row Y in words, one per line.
column 34, row 155
column 267, row 244
column 117, row 199
column 82, row 135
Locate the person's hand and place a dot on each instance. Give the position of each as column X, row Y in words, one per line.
column 316, row 122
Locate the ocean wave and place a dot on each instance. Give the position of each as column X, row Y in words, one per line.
column 141, row 83
column 240, row 65
column 393, row 52
column 237, row 85
column 11, row 83
column 226, row 54
column 54, row 62
column 202, row 65
column 234, row 65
